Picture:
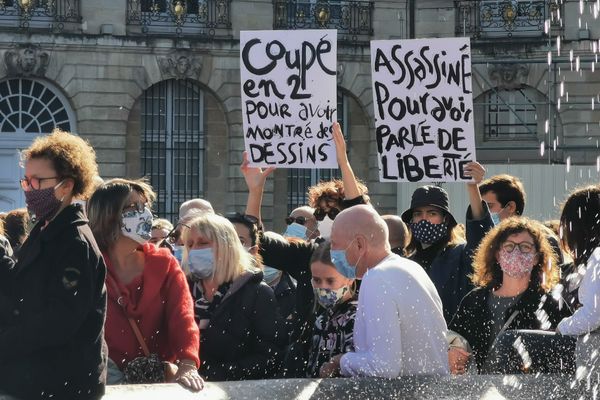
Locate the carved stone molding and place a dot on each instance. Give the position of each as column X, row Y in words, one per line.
column 180, row 65
column 508, row 76
column 26, row 60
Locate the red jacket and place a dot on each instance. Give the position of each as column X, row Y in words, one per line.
column 160, row 302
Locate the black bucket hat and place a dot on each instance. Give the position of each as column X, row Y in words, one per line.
column 430, row 195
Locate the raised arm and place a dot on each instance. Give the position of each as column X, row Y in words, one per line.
column 477, row 173
column 351, row 189
column 255, row 181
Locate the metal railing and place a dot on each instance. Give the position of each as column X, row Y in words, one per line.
column 202, row 18
column 39, row 14
column 353, row 19
column 497, row 19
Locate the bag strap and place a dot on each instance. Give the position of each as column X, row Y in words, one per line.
column 132, row 323
column 505, row 327
column 139, row 336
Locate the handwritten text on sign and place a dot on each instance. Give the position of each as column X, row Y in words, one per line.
column 289, row 97
column 423, row 109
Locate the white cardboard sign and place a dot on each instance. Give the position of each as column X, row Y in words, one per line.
column 423, row 109
column 289, row 97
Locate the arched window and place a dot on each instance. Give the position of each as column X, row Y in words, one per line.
column 172, row 143
column 31, row 106
column 28, row 108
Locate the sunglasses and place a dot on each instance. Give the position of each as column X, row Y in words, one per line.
column 320, row 213
column 299, row 220
column 175, row 233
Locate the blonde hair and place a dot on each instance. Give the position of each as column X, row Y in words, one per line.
column 230, row 257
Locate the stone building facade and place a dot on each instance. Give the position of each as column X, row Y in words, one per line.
column 154, row 85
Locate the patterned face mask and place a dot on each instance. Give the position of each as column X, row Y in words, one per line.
column 137, row 225
column 428, row 233
column 328, row 298
column 516, row 264
column 42, row 203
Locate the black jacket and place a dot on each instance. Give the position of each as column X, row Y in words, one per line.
column 245, row 338
column 474, row 320
column 52, row 340
column 451, row 267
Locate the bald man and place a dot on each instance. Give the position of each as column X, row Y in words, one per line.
column 398, row 233
column 304, row 217
column 399, row 328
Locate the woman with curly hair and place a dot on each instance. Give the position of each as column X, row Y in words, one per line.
column 52, row 341
column 328, row 198
column 514, row 271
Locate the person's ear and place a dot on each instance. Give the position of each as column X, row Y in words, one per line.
column 511, row 207
column 66, row 189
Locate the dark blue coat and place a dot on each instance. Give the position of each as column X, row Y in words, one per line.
column 452, row 266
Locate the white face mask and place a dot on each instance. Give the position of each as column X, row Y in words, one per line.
column 137, row 225
column 325, row 227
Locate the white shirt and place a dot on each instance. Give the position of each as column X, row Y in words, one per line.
column 587, row 318
column 399, row 327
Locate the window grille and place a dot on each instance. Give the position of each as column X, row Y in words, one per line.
column 29, row 106
column 509, row 115
column 172, row 143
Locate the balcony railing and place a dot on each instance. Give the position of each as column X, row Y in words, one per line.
column 201, row 18
column 497, row 19
column 352, row 19
column 39, row 14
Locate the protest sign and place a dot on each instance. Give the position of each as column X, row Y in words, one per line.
column 423, row 109
column 289, row 97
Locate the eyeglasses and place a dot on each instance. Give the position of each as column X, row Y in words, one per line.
column 139, row 207
column 175, row 233
column 34, row 183
column 524, row 247
column 320, row 213
column 299, row 220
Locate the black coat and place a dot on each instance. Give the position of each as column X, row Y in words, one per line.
column 474, row 320
column 293, row 258
column 245, row 338
column 52, row 337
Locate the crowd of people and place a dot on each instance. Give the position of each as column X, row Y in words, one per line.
column 94, row 290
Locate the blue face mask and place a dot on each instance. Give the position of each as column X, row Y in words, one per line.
column 296, row 230
column 495, row 218
column 270, row 275
column 339, row 260
column 178, row 253
column 201, row 263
